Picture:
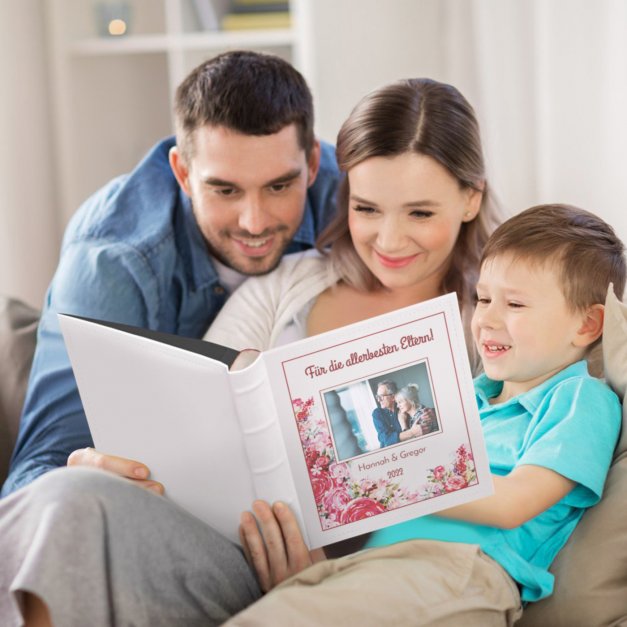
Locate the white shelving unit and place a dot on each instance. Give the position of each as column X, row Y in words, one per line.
column 113, row 96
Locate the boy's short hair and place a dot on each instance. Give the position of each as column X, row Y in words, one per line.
column 583, row 248
column 249, row 92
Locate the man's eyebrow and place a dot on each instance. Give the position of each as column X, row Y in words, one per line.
column 218, row 182
column 283, row 178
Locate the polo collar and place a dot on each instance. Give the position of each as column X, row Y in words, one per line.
column 487, row 388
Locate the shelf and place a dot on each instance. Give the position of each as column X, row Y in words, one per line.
column 137, row 44
column 113, row 95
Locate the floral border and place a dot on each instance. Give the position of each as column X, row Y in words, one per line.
column 341, row 498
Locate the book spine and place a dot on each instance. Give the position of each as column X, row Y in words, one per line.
column 263, row 440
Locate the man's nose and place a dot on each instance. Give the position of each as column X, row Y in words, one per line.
column 253, row 218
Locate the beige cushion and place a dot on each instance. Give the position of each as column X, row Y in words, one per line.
column 615, row 356
column 18, row 328
column 591, row 570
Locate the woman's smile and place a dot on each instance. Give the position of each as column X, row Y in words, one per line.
column 395, row 262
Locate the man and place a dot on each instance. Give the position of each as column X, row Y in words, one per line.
column 162, row 247
column 385, row 417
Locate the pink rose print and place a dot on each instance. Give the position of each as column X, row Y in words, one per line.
column 336, row 500
column 360, row 508
column 341, row 498
column 456, row 476
column 455, row 483
column 321, row 485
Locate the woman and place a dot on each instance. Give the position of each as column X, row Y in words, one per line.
column 414, row 213
column 413, row 416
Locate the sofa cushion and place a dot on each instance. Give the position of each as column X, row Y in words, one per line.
column 591, row 570
column 615, row 356
column 18, row 329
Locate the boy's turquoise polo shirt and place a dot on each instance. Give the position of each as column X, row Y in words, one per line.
column 569, row 424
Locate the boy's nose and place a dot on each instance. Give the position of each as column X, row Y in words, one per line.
column 489, row 318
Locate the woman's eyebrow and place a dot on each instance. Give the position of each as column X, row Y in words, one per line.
column 362, row 200
column 411, row 203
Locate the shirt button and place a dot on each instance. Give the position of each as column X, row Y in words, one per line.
column 218, row 289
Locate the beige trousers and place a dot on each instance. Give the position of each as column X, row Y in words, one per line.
column 420, row 582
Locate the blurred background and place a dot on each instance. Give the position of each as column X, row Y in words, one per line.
column 87, row 87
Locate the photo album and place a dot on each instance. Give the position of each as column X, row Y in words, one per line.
column 221, row 428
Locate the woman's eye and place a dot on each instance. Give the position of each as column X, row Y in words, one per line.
column 421, row 213
column 364, row 209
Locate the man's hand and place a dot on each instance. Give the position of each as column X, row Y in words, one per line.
column 273, row 544
column 121, row 466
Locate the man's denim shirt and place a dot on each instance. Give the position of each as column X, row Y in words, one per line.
column 133, row 253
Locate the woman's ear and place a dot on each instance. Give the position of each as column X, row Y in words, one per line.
column 592, row 326
column 179, row 168
column 473, row 202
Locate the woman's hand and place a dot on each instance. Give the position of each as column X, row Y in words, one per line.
column 428, row 420
column 273, row 544
column 128, row 468
column 403, row 419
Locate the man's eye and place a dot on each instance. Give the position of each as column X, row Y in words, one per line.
column 482, row 300
column 225, row 191
column 279, row 187
column 515, row 305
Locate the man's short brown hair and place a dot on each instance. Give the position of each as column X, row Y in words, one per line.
column 248, row 92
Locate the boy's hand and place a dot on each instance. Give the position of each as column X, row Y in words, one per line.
column 273, row 544
column 128, row 468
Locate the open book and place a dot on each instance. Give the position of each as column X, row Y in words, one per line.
column 294, row 425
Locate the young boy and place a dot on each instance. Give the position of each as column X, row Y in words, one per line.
column 550, row 431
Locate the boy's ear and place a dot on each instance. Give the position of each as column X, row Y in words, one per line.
column 592, row 326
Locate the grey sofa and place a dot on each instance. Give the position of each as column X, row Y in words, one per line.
column 18, row 326
column 591, row 570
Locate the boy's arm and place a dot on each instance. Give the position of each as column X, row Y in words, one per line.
column 523, row 494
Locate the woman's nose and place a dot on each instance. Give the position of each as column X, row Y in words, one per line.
column 390, row 237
